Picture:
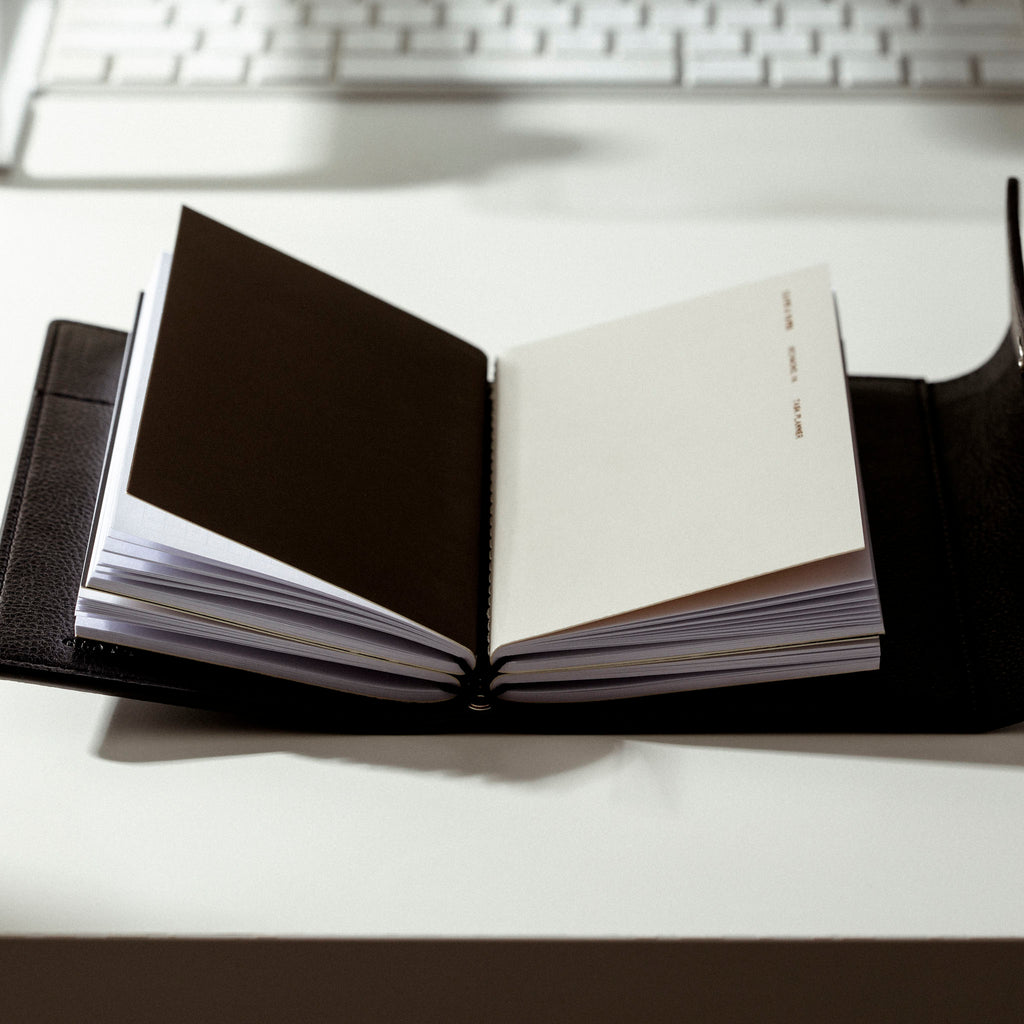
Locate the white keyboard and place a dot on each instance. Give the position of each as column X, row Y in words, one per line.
column 769, row 46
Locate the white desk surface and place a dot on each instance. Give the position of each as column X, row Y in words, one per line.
column 503, row 223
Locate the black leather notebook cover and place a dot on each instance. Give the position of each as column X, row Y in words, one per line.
column 944, row 486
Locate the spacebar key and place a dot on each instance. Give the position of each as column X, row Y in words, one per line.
column 501, row 70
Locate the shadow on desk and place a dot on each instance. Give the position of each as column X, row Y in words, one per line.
column 607, row 155
column 141, row 732
column 274, row 143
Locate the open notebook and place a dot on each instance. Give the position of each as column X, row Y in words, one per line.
column 307, row 482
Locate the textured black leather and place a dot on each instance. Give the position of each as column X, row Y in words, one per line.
column 46, row 535
column 944, row 485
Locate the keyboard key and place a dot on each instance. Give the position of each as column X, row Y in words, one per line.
column 853, row 43
column 408, row 15
column 213, row 69
column 856, row 71
column 235, row 40
column 303, row 40
column 106, row 14
column 609, row 14
column 204, row 15
column 439, row 40
column 975, row 17
column 542, row 15
column 270, row 15
column 957, row 43
column 130, row 38
column 581, row 41
column 812, row 14
column 143, row 69
column 514, row 41
column 729, row 41
column 801, row 71
column 883, row 16
column 936, row 71
column 75, row 69
column 744, row 14
column 645, row 40
column 471, row 70
column 678, row 15
column 709, row 69
column 1001, row 71
column 273, row 69
column 475, row 13
column 340, row 15
column 785, row 41
column 371, row 40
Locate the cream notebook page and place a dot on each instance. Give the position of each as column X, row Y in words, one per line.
column 670, row 453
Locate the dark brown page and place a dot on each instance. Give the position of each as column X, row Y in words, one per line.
column 295, row 414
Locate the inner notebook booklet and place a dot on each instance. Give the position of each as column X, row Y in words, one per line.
column 305, row 481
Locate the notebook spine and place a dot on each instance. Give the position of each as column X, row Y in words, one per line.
column 478, row 685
